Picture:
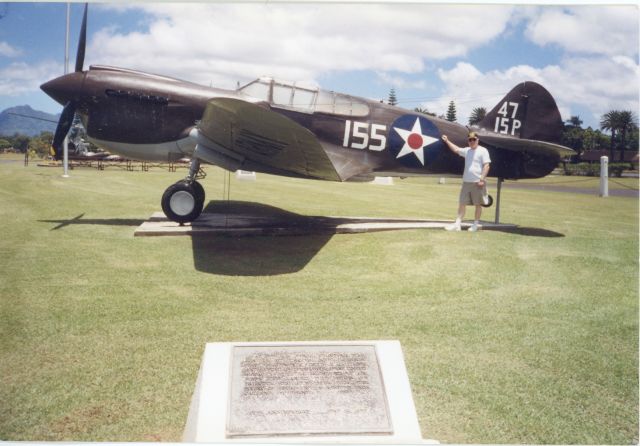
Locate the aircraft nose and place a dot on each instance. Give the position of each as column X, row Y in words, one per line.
column 64, row 88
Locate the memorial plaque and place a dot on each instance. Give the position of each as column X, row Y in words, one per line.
column 306, row 390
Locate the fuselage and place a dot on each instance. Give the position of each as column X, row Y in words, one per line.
column 149, row 117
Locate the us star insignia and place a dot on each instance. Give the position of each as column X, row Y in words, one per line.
column 414, row 141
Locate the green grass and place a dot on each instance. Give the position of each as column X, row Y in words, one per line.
column 528, row 336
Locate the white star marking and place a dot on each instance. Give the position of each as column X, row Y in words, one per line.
column 414, row 141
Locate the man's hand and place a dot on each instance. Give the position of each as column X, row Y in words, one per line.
column 483, row 175
column 450, row 145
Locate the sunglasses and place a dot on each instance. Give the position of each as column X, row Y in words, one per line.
column 473, row 139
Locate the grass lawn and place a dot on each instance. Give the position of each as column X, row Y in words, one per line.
column 528, row 336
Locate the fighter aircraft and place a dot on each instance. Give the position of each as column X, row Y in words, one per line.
column 287, row 129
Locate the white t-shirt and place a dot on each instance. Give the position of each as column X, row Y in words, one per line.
column 474, row 160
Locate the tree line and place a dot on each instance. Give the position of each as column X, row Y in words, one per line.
column 39, row 146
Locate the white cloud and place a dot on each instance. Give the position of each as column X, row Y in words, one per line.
column 400, row 81
column 220, row 43
column 585, row 82
column 7, row 50
column 611, row 30
column 19, row 77
column 462, row 74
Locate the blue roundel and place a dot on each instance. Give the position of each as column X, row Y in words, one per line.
column 414, row 141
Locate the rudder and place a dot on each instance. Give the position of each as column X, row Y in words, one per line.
column 528, row 111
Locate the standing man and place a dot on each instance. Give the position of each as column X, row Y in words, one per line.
column 474, row 185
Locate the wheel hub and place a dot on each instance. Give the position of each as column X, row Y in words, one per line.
column 182, row 202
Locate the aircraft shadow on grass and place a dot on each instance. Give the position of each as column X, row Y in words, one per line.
column 530, row 232
column 288, row 243
column 276, row 250
column 255, row 256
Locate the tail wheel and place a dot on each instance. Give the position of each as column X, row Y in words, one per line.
column 182, row 202
column 489, row 202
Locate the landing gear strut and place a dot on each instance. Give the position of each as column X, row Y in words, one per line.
column 183, row 201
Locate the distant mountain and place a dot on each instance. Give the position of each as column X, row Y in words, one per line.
column 21, row 120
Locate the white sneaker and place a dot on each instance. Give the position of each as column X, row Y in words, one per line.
column 452, row 227
column 473, row 228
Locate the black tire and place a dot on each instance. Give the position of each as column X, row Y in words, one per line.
column 489, row 203
column 182, row 202
column 199, row 191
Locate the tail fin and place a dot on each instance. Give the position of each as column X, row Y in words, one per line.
column 529, row 112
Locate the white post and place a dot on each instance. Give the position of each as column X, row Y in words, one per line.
column 65, row 159
column 604, row 176
column 65, row 144
column 66, row 41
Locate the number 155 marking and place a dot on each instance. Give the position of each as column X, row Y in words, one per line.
column 361, row 135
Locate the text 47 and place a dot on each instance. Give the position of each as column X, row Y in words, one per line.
column 507, row 124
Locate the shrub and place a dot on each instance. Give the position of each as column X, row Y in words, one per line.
column 582, row 169
column 593, row 169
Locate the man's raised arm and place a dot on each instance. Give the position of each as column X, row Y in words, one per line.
column 451, row 145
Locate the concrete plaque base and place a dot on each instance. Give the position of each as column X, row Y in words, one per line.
column 292, row 392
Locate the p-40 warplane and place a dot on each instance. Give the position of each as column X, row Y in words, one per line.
column 286, row 129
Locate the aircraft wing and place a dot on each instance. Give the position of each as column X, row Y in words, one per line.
column 526, row 145
column 248, row 131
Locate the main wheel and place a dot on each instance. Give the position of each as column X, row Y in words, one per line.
column 489, row 202
column 182, row 202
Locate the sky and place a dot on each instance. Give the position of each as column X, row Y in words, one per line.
column 431, row 54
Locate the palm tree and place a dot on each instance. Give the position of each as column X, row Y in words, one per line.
column 477, row 115
column 621, row 122
column 610, row 121
column 574, row 121
column 626, row 123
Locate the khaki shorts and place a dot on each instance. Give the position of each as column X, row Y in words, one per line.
column 471, row 194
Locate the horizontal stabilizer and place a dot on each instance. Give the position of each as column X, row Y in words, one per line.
column 265, row 137
column 526, row 145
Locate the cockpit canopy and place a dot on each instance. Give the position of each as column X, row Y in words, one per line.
column 283, row 94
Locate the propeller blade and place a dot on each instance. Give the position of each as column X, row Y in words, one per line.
column 82, row 41
column 64, row 124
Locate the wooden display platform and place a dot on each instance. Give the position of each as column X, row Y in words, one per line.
column 246, row 224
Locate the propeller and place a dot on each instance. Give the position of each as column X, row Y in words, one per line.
column 69, row 110
column 64, row 125
column 82, row 41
